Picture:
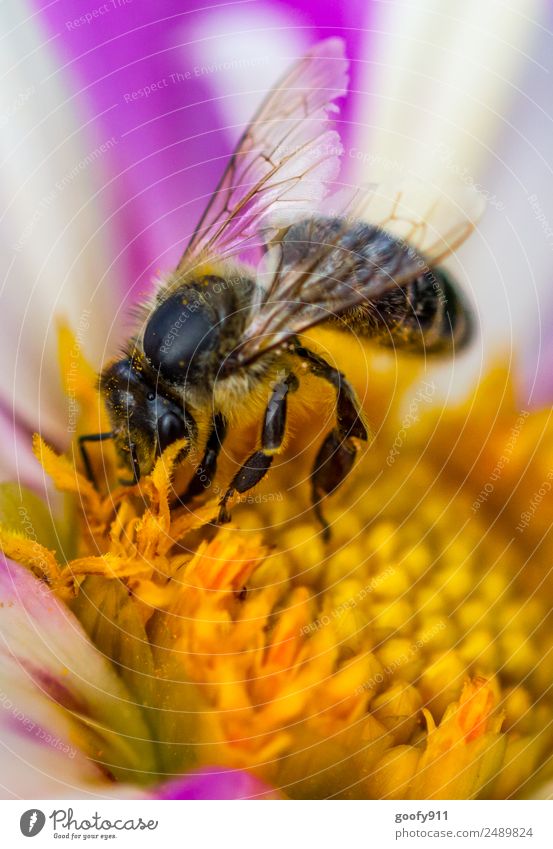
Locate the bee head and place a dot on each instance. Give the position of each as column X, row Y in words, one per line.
column 144, row 419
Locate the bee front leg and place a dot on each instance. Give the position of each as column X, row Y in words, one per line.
column 91, row 437
column 257, row 465
column 205, row 471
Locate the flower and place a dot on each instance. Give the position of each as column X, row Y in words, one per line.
column 407, row 658
column 146, row 654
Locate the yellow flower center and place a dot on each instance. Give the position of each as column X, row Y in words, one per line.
column 406, row 658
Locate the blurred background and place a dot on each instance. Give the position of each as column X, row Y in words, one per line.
column 117, row 119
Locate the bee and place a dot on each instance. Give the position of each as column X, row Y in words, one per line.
column 220, row 332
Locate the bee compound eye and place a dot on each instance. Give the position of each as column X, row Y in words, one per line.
column 170, row 427
column 176, row 334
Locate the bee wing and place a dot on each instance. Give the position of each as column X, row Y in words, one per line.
column 283, row 160
column 336, row 271
column 435, row 223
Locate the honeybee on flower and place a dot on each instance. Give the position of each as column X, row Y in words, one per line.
column 218, row 337
column 148, row 654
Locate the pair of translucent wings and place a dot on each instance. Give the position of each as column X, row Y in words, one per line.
column 279, row 175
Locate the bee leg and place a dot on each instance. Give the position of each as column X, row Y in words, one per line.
column 257, row 465
column 337, row 454
column 333, row 463
column 205, row 471
column 254, row 470
column 91, row 437
column 350, row 422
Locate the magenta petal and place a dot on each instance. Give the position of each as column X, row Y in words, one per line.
column 216, row 783
column 154, row 163
column 167, row 146
column 17, row 461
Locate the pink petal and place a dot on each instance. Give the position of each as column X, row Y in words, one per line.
column 48, row 669
column 172, row 134
column 17, row 461
column 216, row 783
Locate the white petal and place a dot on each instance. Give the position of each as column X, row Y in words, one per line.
column 463, row 92
column 442, row 78
column 241, row 53
column 50, row 676
column 51, row 239
column 32, row 769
